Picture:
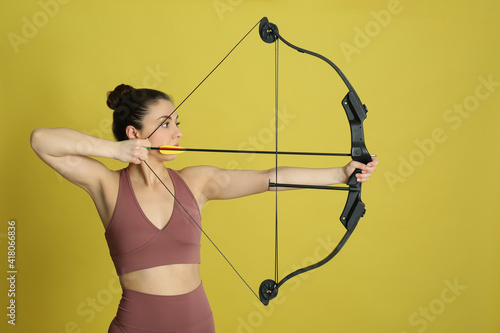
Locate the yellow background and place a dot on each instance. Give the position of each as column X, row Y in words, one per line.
column 423, row 259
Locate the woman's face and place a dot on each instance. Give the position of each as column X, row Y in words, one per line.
column 168, row 134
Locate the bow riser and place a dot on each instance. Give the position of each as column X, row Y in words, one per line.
column 356, row 114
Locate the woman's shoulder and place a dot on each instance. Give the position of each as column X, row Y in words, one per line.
column 197, row 173
column 197, row 177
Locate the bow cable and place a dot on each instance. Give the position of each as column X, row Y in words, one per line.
column 204, row 233
column 206, row 77
column 276, row 101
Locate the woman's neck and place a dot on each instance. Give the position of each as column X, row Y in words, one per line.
column 143, row 173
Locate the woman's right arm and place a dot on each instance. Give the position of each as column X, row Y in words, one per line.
column 67, row 151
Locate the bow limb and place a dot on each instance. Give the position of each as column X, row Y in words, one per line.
column 353, row 211
column 354, row 108
column 354, row 208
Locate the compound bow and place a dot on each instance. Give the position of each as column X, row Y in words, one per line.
column 354, row 208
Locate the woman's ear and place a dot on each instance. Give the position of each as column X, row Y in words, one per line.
column 132, row 132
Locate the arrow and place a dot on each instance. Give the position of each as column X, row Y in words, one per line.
column 179, row 150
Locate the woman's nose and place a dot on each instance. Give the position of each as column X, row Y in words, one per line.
column 179, row 133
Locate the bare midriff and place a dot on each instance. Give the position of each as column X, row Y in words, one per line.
column 163, row 280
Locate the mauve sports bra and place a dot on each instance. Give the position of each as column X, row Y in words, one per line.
column 135, row 243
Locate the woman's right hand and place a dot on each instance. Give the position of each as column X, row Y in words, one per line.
column 133, row 151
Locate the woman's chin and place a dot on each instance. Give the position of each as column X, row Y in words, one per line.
column 169, row 157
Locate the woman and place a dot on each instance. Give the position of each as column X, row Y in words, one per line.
column 154, row 240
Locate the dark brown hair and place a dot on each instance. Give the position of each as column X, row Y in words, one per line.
column 129, row 107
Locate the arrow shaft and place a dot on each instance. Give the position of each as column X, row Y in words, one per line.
column 268, row 152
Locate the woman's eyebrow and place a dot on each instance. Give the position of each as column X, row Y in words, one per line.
column 167, row 117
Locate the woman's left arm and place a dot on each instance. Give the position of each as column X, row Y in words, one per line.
column 229, row 184
column 322, row 177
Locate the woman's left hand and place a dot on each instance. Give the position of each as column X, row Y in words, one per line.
column 366, row 170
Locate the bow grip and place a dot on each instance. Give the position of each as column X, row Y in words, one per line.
column 354, row 208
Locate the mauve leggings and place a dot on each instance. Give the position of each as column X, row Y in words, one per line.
column 146, row 313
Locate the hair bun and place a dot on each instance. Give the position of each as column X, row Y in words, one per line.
column 115, row 95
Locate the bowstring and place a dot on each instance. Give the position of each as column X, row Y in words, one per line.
column 276, row 99
column 206, row 77
column 204, row 233
column 172, row 194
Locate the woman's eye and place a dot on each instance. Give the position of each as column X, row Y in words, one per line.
column 165, row 125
